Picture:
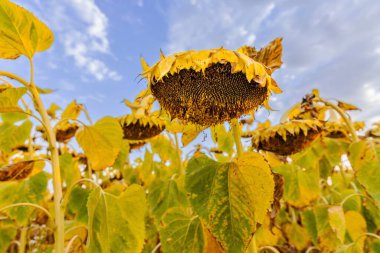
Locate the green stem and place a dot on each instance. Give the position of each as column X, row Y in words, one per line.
column 178, row 152
column 59, row 231
column 236, row 134
column 27, row 204
column 348, row 122
column 23, row 239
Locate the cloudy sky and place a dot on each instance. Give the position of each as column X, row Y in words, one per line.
column 330, row 45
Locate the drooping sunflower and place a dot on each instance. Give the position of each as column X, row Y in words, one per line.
column 287, row 138
column 64, row 132
column 141, row 128
column 338, row 129
column 141, row 124
column 209, row 87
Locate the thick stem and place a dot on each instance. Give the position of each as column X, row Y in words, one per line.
column 348, row 122
column 59, row 231
column 23, row 239
column 178, row 152
column 236, row 133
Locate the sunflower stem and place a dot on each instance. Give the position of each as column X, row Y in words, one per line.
column 59, row 231
column 178, row 151
column 23, row 239
column 348, row 122
column 236, row 133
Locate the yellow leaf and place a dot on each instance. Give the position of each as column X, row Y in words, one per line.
column 72, row 111
column 164, row 67
column 189, row 134
column 253, row 166
column 271, row 55
column 356, row 227
column 101, row 143
column 144, row 65
column 347, row 107
column 21, row 33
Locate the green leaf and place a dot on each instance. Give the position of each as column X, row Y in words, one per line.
column 164, row 195
column 31, row 190
column 362, row 153
column 337, row 221
column 69, row 169
column 101, row 143
column 224, row 139
column 330, row 226
column 116, row 223
column 231, row 197
column 21, row 33
column 301, row 186
column 366, row 163
column 310, row 223
column 8, row 233
column 181, row 233
column 166, row 150
column 10, row 97
column 12, row 135
column 77, row 203
column 297, row 236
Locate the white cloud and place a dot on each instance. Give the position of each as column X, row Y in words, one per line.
column 81, row 27
column 331, row 45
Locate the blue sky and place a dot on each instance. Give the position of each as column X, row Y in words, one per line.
column 330, row 45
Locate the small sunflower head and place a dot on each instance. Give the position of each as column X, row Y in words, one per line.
column 66, row 131
column 134, row 145
column 141, row 124
column 287, row 138
column 339, row 130
column 209, row 87
column 141, row 128
column 375, row 131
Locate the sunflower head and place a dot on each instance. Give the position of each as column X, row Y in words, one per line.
column 66, row 131
column 141, row 124
column 287, row 138
column 209, row 87
column 375, row 131
column 134, row 145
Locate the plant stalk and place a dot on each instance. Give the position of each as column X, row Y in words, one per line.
column 23, row 239
column 236, row 133
column 348, row 122
column 59, row 230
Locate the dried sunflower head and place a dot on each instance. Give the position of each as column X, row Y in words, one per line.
column 209, row 87
column 141, row 124
column 338, row 129
column 63, row 132
column 375, row 131
column 66, row 131
column 141, row 128
column 133, row 145
column 287, row 138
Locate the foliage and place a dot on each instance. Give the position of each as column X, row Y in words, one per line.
column 89, row 194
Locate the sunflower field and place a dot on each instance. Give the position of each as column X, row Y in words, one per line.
column 310, row 183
